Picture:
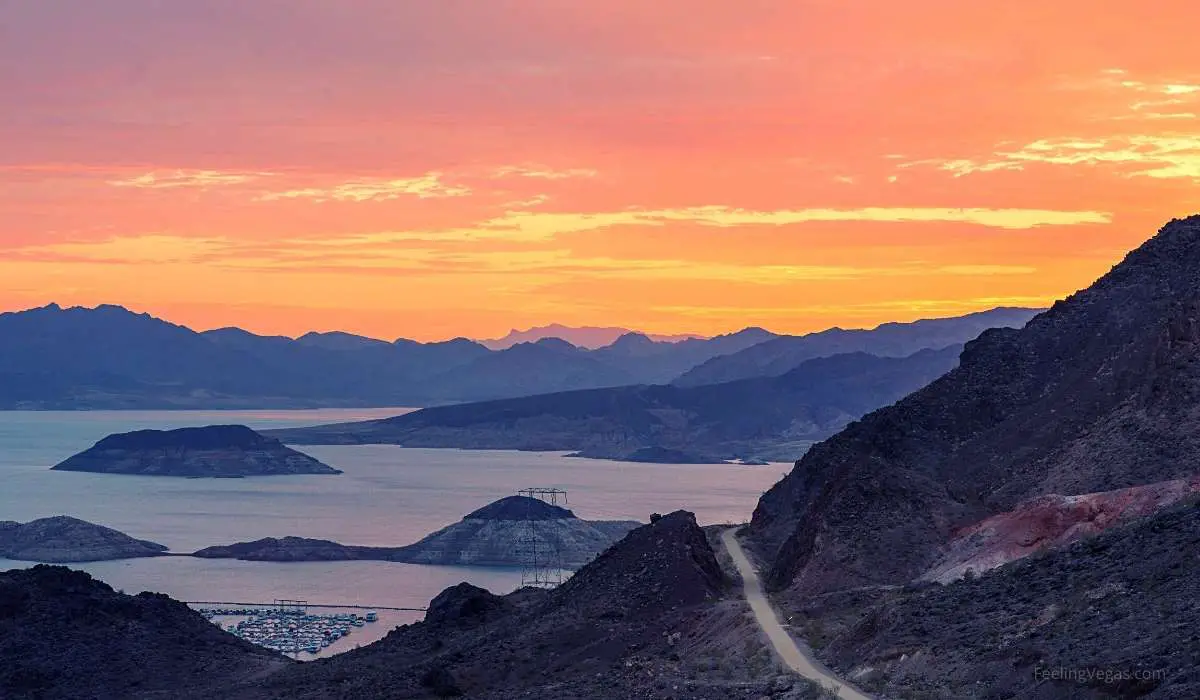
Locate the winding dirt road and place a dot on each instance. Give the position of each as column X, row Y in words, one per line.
column 797, row 659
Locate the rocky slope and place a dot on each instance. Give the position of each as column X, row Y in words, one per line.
column 777, row 356
column 493, row 535
column 770, row 417
column 647, row 620
column 490, row 536
column 639, row 622
column 218, row 451
column 1112, row 616
column 66, row 636
column 1097, row 393
column 65, row 539
column 1049, row 522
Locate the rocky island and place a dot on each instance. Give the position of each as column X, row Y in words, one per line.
column 488, row 536
column 64, row 539
column 212, row 451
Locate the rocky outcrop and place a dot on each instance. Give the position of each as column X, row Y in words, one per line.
column 64, row 635
column 64, row 539
column 1048, row 522
column 213, row 451
column 494, row 536
column 1098, row 393
column 664, row 566
column 1111, row 616
column 490, row 536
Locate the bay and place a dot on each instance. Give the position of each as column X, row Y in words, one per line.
column 388, row 495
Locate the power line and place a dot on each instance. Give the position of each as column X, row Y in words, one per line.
column 538, row 546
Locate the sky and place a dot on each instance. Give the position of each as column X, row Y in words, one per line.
column 463, row 167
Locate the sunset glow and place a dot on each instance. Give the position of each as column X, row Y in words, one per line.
column 434, row 169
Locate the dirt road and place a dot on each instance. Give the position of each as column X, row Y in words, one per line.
column 797, row 659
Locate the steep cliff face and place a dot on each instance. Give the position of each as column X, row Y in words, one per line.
column 1098, row 393
column 216, row 450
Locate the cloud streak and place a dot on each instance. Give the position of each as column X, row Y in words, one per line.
column 427, row 186
column 202, row 179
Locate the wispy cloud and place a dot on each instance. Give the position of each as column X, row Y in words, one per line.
column 138, row 249
column 1165, row 156
column 203, row 179
column 543, row 173
column 994, row 218
column 540, row 226
column 427, row 186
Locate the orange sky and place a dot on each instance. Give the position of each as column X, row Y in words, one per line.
column 432, row 169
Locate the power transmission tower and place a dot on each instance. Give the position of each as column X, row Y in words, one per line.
column 541, row 558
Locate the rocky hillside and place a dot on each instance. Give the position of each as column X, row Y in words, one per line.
column 1097, row 393
column 65, row 539
column 216, row 451
column 1051, row 521
column 66, row 636
column 775, row 417
column 648, row 620
column 493, row 535
column 639, row 622
column 1109, row 617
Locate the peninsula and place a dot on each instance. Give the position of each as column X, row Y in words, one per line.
column 63, row 539
column 489, row 536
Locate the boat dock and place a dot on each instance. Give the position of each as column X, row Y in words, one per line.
column 287, row 626
column 330, row 606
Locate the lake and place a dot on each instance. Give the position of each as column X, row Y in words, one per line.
column 387, row 496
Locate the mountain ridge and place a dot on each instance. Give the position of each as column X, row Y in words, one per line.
column 775, row 356
column 1094, row 394
column 139, row 361
column 746, row 418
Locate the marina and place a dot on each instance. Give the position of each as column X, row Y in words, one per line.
column 287, row 626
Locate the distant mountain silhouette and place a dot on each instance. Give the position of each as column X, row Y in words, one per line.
column 590, row 337
column 134, row 360
column 775, row 356
column 750, row 417
column 110, row 357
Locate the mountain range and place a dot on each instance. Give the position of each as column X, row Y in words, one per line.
column 763, row 417
column 110, row 357
column 590, row 337
column 1025, row 526
column 778, row 355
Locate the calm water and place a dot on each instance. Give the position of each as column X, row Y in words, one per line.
column 387, row 496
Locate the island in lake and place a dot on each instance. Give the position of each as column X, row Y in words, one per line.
column 212, row 451
column 64, row 539
column 489, row 536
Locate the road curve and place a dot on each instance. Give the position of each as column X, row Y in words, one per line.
column 797, row 659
